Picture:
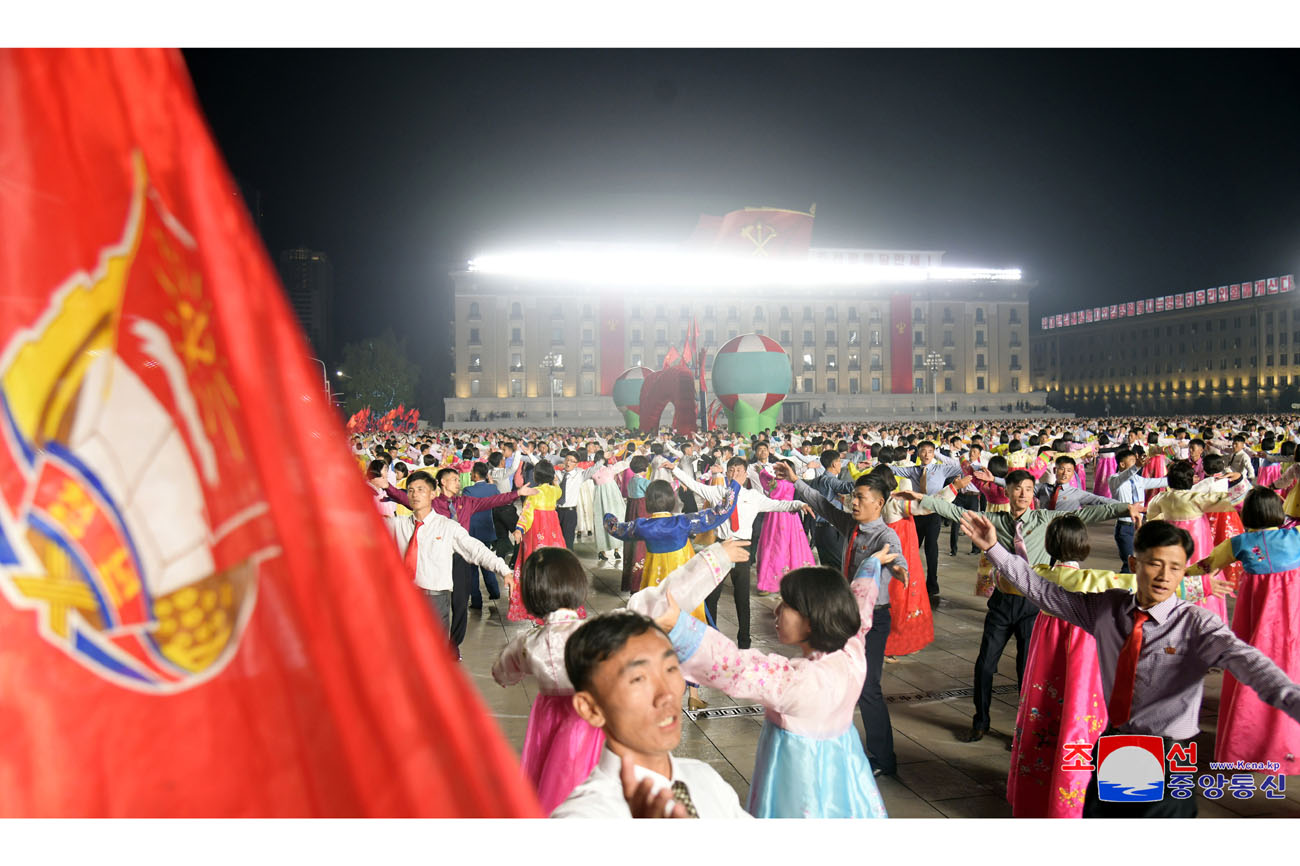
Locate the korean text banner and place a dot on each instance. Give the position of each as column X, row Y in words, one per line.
column 202, row 614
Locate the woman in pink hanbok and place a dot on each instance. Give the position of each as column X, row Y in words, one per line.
column 1267, row 616
column 1187, row 509
column 782, row 545
column 1105, row 465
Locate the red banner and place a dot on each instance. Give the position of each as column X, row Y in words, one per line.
column 202, row 612
column 900, row 344
column 766, row 232
column 612, row 360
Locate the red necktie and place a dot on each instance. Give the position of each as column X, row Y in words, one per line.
column 735, row 518
column 1056, row 491
column 1121, row 694
column 848, row 554
column 412, row 549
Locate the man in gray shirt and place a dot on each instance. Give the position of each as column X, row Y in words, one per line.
column 1153, row 649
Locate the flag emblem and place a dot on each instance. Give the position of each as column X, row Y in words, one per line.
column 117, row 427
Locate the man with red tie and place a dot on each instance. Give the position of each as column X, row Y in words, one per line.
column 427, row 541
column 1153, row 648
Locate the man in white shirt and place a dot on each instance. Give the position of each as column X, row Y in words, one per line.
column 427, row 541
column 628, row 683
column 741, row 524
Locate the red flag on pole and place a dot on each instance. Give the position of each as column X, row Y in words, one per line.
column 202, row 613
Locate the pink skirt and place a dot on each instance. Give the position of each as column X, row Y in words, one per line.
column 782, row 547
column 560, row 749
column 545, row 532
column 1269, row 474
column 1202, row 545
column 1101, row 478
column 1061, row 702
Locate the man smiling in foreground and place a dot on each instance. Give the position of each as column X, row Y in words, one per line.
column 628, row 682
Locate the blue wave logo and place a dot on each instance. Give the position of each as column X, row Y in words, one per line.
column 1131, row 769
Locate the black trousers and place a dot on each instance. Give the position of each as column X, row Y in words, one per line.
column 1169, row 807
column 830, row 545
column 1008, row 615
column 927, row 532
column 464, row 576
column 1124, row 543
column 740, row 592
column 969, row 501
column 687, row 499
column 879, row 733
column 568, row 518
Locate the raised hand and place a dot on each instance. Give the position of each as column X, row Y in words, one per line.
column 978, row 529
column 884, row 556
column 643, row 802
column 737, row 549
column 668, row 618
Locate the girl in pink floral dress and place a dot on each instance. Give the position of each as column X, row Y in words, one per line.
column 782, row 545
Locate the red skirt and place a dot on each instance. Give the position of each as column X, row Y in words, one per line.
column 1225, row 525
column 911, row 621
column 633, row 549
column 545, row 532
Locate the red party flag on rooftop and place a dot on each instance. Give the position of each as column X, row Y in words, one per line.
column 202, row 613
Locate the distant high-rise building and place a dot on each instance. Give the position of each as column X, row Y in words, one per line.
column 308, row 279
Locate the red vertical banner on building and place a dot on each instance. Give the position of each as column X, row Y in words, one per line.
column 900, row 344
column 612, row 360
column 202, row 612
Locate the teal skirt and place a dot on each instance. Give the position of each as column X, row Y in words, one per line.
column 802, row 777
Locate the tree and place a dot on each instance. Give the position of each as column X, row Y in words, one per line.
column 378, row 374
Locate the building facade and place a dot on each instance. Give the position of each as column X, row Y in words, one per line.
column 841, row 344
column 308, row 279
column 1226, row 357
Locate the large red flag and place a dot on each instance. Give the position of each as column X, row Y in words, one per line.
column 200, row 611
column 900, row 344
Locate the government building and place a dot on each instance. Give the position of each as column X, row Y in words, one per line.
column 855, row 352
column 1230, row 349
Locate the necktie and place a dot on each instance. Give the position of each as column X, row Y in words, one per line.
column 848, row 554
column 683, row 795
column 1056, row 491
column 735, row 518
column 1121, row 694
column 451, row 503
column 412, row 549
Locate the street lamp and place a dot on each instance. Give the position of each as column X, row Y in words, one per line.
column 934, row 363
column 549, row 363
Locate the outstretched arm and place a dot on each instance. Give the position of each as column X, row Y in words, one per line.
column 621, row 531
column 703, row 521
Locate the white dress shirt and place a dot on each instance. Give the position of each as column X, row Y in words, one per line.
column 440, row 537
column 748, row 505
column 601, row 795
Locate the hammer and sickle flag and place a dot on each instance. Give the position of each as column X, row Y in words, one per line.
column 201, row 612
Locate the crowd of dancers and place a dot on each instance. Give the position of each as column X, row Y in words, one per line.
column 835, row 520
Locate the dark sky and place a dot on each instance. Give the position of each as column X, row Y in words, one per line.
column 1106, row 175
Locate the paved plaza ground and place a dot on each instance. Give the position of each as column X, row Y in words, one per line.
column 938, row 776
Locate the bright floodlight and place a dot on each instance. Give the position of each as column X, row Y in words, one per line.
column 671, row 266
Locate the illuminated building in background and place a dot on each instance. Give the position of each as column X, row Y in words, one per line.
column 857, row 324
column 1180, row 353
column 308, row 279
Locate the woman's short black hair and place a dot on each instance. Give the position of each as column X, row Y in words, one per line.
column 998, row 466
column 1181, row 475
column 1067, row 539
column 638, row 463
column 1161, row 533
column 552, row 579
column 823, row 597
column 659, row 496
column 543, row 473
column 1212, row 464
column 1262, row 509
column 599, row 638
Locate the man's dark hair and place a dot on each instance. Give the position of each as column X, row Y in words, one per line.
column 1066, row 460
column 1122, row 454
column 659, row 496
column 543, row 473
column 925, row 443
column 829, row 457
column 1212, row 464
column 823, row 597
column 882, row 478
column 552, row 579
column 1181, row 475
column 429, row 459
column 738, row 461
column 1066, row 539
column 1018, row 476
column 1262, row 509
column 495, row 459
column 1161, row 533
column 444, row 472
column 599, row 638
column 1239, row 438
column 479, row 470
column 1196, row 443
column 421, row 475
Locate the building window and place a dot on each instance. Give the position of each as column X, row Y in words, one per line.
column 636, row 359
column 588, row 387
column 557, row 335
column 830, row 314
column 979, row 383
column 516, row 361
column 785, row 312
column 808, row 385
column 708, row 336
column 731, row 313
column 785, row 336
column 830, row 385
column 853, row 317
column 853, row 386
column 636, row 335
column 473, row 387
column 875, row 338
column 919, row 386
column 830, row 361
column 659, row 361
column 474, row 339
column 516, row 388
column 557, row 386
column 917, row 315
column 807, row 312
column 516, row 336
column 947, row 362
column 918, row 338
column 979, row 315
column 1015, row 361
column 1014, row 318
column 661, row 336
column 947, row 338
column 758, row 312
column 476, row 362
column 1015, row 383
column 588, row 361
column 875, row 384
column 830, row 338
column 947, row 383
column 516, row 311
column 473, row 310
column 979, row 339
column 586, row 335
column 918, row 361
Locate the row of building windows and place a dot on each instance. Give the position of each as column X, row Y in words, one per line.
column 804, row 385
column 760, row 313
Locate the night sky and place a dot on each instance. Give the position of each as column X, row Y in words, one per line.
column 1106, row 175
